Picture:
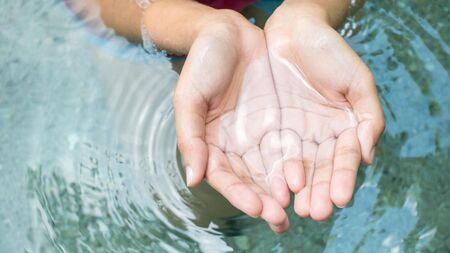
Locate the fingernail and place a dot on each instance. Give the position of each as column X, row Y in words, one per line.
column 341, row 207
column 189, row 176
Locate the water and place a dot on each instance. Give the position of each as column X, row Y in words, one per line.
column 89, row 162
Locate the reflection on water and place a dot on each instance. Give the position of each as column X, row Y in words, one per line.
column 88, row 150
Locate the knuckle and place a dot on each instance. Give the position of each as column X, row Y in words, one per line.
column 307, row 163
column 324, row 164
column 348, row 151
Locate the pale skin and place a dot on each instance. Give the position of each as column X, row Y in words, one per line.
column 262, row 113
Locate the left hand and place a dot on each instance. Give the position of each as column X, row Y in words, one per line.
column 227, row 118
column 331, row 114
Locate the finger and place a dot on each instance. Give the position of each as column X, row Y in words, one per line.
column 271, row 212
column 293, row 125
column 347, row 157
column 222, row 178
column 190, row 113
column 303, row 197
column 321, row 205
column 292, row 165
column 362, row 95
column 271, row 153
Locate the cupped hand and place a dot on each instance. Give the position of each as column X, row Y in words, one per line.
column 228, row 117
column 331, row 117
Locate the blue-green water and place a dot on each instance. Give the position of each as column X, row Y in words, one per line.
column 89, row 163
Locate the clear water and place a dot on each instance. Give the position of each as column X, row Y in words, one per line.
column 89, row 162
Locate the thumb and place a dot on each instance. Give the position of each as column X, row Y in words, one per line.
column 190, row 115
column 362, row 95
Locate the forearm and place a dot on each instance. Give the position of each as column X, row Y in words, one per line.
column 331, row 11
column 173, row 25
column 124, row 16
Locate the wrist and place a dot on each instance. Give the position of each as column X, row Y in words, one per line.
column 308, row 10
column 218, row 20
column 330, row 12
column 226, row 25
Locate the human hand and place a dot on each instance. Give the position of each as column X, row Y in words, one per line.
column 331, row 117
column 227, row 118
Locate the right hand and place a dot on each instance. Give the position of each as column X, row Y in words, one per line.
column 329, row 107
column 227, row 117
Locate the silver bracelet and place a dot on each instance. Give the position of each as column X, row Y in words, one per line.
column 143, row 4
column 147, row 43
